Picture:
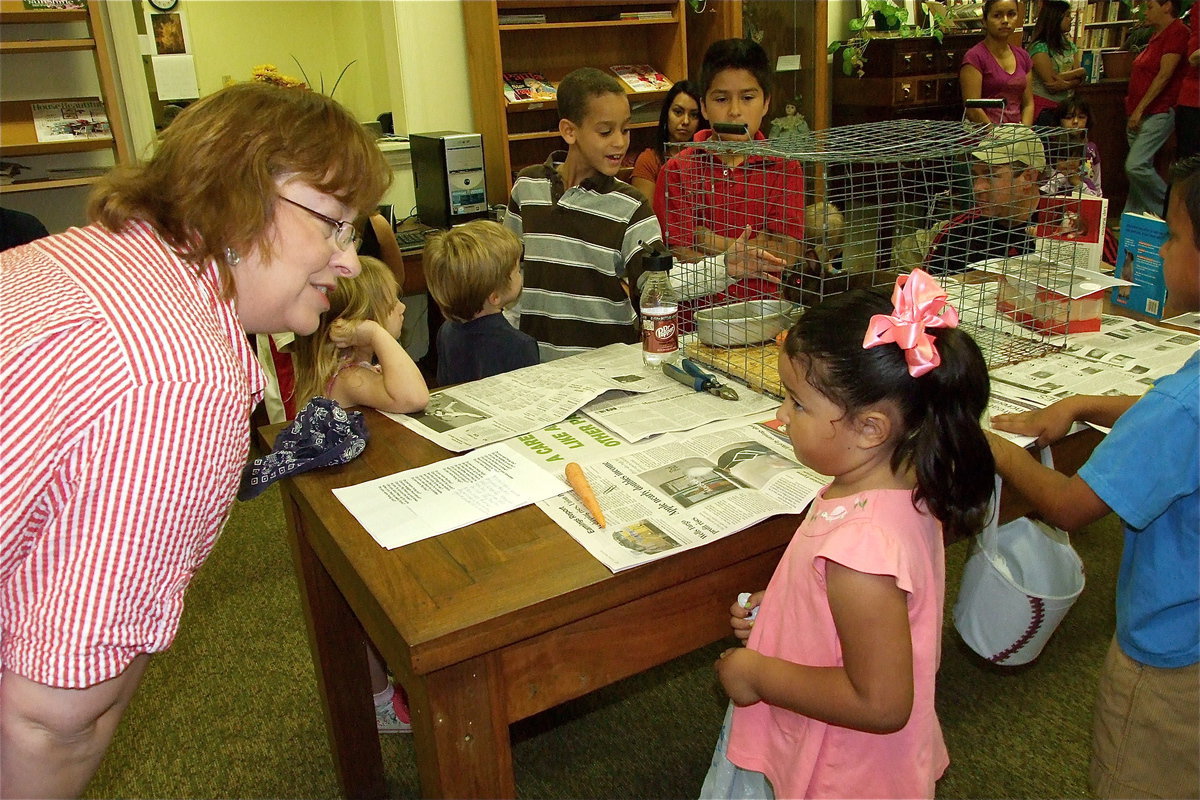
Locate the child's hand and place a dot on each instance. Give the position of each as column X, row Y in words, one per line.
column 742, row 258
column 1048, row 424
column 739, row 616
column 352, row 332
column 736, row 668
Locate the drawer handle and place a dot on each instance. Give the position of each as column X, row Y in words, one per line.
column 907, row 57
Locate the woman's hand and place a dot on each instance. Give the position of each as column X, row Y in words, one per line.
column 1135, row 121
column 353, row 332
column 743, row 258
column 736, row 668
column 739, row 616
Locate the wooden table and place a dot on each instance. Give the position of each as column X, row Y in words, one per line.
column 495, row 622
column 488, row 624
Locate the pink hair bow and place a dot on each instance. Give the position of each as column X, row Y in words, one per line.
column 919, row 302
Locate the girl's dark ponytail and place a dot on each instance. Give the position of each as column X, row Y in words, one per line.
column 948, row 449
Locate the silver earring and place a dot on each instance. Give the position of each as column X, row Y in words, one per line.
column 231, row 257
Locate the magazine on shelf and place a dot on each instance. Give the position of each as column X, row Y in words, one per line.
column 1138, row 261
column 524, row 87
column 642, row 77
column 70, row 120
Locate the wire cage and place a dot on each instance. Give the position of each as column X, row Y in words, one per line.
column 1000, row 215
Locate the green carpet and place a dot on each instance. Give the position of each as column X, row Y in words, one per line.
column 232, row 710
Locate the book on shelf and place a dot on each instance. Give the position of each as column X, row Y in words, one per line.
column 521, row 19
column 642, row 77
column 524, row 87
column 1093, row 65
column 647, row 15
column 1138, row 261
column 70, row 120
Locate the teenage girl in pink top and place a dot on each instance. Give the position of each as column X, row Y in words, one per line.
column 833, row 694
column 995, row 69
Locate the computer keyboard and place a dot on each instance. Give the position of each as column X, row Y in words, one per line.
column 413, row 238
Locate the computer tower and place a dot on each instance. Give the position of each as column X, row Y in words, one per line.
column 448, row 177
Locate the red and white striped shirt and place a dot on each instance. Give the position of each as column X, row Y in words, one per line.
column 128, row 385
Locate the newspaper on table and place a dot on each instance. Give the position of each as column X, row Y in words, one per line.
column 675, row 408
column 419, row 503
column 1137, row 346
column 1188, row 319
column 503, row 406
column 576, row 438
column 684, row 490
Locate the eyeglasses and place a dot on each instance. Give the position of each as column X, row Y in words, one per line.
column 343, row 232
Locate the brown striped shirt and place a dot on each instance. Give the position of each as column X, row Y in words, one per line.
column 580, row 243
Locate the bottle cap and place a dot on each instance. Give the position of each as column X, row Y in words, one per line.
column 656, row 261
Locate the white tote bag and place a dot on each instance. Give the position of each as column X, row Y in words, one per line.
column 1020, row 580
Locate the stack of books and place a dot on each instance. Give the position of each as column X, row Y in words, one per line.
column 647, row 15
column 522, row 19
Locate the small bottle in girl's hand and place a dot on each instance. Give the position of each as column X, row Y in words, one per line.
column 744, row 602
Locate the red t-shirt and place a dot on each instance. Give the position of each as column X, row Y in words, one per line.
column 1171, row 39
column 697, row 189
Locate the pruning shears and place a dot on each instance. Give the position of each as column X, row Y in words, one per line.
column 701, row 381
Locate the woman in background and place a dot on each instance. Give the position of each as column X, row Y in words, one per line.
column 678, row 122
column 1149, row 104
column 1056, row 70
column 995, row 69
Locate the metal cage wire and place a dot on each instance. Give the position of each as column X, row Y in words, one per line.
column 858, row 205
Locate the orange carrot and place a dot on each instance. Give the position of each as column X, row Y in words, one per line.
column 583, row 489
column 779, row 337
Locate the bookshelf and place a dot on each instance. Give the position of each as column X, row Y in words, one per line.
column 575, row 33
column 1103, row 25
column 53, row 37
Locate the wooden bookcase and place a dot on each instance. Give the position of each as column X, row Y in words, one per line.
column 1103, row 25
column 40, row 31
column 576, row 33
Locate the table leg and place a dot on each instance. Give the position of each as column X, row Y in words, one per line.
column 339, row 654
column 461, row 731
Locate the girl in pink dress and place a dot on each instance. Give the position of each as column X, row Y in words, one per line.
column 833, row 692
column 354, row 358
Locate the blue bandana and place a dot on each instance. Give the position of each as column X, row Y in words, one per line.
column 323, row 435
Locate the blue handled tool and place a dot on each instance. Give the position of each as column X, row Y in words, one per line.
column 701, row 381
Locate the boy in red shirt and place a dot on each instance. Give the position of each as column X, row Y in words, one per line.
column 707, row 201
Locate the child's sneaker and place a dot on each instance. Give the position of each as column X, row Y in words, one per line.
column 394, row 717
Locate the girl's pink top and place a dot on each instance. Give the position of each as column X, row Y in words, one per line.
column 878, row 532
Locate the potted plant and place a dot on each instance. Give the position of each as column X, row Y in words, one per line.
column 888, row 17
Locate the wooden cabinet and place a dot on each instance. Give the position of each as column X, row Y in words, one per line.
column 576, row 33
column 904, row 78
column 53, row 34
